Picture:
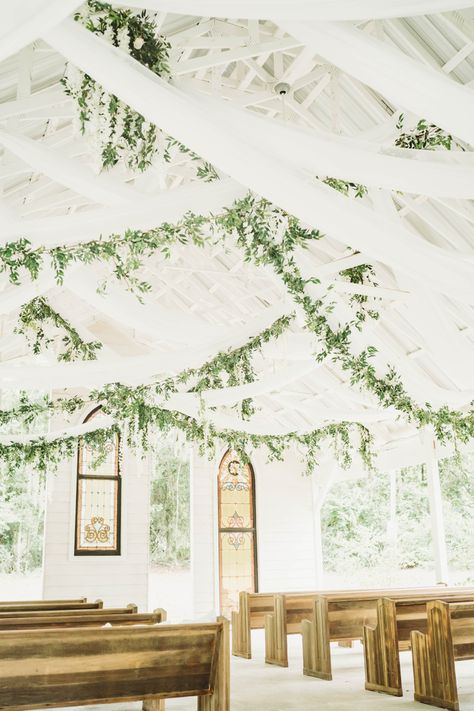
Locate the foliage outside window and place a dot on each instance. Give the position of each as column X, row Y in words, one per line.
column 169, row 508
column 356, row 534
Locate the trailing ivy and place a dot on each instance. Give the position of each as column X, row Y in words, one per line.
column 118, row 133
column 32, row 323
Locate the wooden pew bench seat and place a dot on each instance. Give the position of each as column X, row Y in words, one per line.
column 74, row 667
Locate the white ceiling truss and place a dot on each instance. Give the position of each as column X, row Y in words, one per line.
column 50, row 193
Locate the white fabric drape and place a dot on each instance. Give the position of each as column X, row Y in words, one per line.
column 425, row 91
column 70, row 173
column 234, row 394
column 300, row 9
column 170, row 206
column 133, row 370
column 23, row 21
column 442, row 173
column 161, row 323
column 381, row 238
column 98, row 423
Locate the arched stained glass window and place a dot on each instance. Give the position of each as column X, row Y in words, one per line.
column 98, row 500
column 237, row 531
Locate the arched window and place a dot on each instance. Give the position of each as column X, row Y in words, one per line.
column 98, row 500
column 237, row 531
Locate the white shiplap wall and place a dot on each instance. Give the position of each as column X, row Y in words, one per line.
column 118, row 580
column 285, row 529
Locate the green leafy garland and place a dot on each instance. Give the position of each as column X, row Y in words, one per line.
column 230, row 367
column 250, row 220
column 119, row 133
column 254, row 222
column 137, row 415
column 31, row 323
column 425, row 136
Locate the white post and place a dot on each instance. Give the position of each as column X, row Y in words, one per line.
column 436, row 511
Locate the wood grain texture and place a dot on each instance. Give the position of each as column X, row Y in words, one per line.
column 40, row 602
column 65, row 667
column 396, row 620
column 219, row 700
column 254, row 606
column 382, row 662
column 71, row 614
column 92, row 619
column 276, row 640
column 44, row 605
column 449, row 636
column 241, row 625
column 316, row 641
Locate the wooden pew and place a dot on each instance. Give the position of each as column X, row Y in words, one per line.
column 95, row 618
column 129, row 610
column 65, row 667
column 39, row 602
column 253, row 608
column 396, row 619
column 336, row 618
column 43, row 605
column 449, row 637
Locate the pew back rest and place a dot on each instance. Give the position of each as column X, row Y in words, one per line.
column 300, row 604
column 84, row 620
column 54, row 668
column 412, row 613
column 462, row 629
column 97, row 612
column 45, row 605
column 40, row 602
column 348, row 616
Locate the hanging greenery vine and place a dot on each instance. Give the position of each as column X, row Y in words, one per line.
column 33, row 321
column 254, row 223
column 117, row 132
column 251, row 220
column 425, row 136
column 267, row 236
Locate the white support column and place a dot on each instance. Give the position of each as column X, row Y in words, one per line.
column 438, row 535
column 204, row 565
column 322, row 480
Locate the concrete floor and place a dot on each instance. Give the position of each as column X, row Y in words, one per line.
column 260, row 687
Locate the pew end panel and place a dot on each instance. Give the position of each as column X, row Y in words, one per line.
column 316, row 642
column 381, row 658
column 241, row 637
column 276, row 640
column 433, row 660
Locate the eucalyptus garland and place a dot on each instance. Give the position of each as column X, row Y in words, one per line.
column 254, row 223
column 45, row 455
column 117, row 132
column 251, row 221
column 230, row 367
column 32, row 324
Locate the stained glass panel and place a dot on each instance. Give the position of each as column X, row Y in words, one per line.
column 96, row 514
column 98, row 500
column 237, row 540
